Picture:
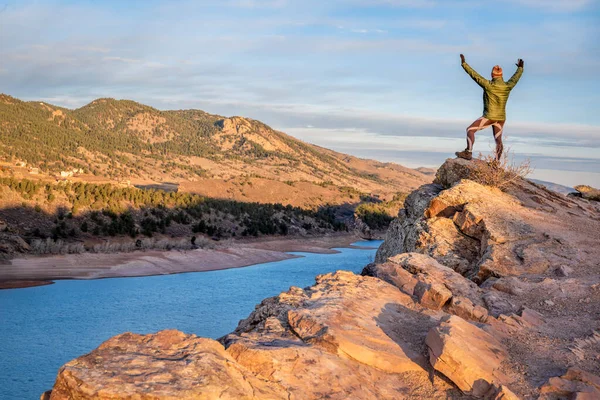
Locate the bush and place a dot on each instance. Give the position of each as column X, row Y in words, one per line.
column 49, row 246
column 500, row 174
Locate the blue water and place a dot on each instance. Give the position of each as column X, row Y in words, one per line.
column 42, row 328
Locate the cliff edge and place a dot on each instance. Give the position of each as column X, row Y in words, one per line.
column 476, row 293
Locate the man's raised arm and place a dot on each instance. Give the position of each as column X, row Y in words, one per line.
column 517, row 75
column 481, row 81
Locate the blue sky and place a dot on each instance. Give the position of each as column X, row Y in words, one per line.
column 376, row 78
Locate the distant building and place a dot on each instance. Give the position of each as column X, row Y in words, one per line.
column 34, row 171
column 66, row 174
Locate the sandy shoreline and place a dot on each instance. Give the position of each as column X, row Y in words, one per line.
column 41, row 270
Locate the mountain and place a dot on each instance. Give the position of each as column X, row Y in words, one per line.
column 236, row 158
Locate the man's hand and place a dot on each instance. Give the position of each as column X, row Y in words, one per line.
column 462, row 58
column 520, row 63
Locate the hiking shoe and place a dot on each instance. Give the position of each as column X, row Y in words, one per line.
column 465, row 154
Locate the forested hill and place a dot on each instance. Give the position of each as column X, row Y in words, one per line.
column 237, row 158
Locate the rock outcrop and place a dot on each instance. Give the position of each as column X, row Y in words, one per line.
column 574, row 384
column 483, row 232
column 168, row 364
column 346, row 337
column 587, row 192
column 476, row 293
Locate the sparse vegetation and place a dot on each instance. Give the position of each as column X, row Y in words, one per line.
column 500, row 173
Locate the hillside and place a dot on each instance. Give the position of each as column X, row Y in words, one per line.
column 236, row 158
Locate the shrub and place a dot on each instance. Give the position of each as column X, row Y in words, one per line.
column 500, row 174
column 49, row 246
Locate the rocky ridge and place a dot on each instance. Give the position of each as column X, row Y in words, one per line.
column 476, row 293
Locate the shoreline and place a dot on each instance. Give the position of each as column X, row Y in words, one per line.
column 31, row 271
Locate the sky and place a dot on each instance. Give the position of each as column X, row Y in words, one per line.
column 375, row 78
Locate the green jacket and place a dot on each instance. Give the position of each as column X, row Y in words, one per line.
column 495, row 92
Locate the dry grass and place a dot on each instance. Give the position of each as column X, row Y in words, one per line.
column 500, row 173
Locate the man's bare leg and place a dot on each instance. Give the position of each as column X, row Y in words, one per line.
column 498, row 128
column 478, row 124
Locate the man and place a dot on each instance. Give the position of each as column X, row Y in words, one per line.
column 495, row 96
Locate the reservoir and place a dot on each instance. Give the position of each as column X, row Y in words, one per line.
column 42, row 328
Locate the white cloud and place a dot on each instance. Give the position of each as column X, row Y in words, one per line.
column 555, row 5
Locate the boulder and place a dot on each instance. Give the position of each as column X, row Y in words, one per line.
column 433, row 285
column 464, row 308
column 501, row 393
column 574, row 384
column 393, row 274
column 588, row 192
column 497, row 305
column 454, row 170
column 466, row 355
column 165, row 365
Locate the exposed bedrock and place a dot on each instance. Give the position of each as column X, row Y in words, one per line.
column 483, row 232
column 347, row 336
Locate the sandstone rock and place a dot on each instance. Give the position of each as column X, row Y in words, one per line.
column 510, row 285
column 481, row 231
column 501, row 393
column 498, row 305
column 434, row 285
column 401, row 236
column 453, row 170
column 588, row 192
column 467, row 355
column 464, row 308
column 426, row 267
column 532, row 317
column 417, row 202
column 574, row 384
column 393, row 274
column 432, row 295
column 346, row 337
column 169, row 364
